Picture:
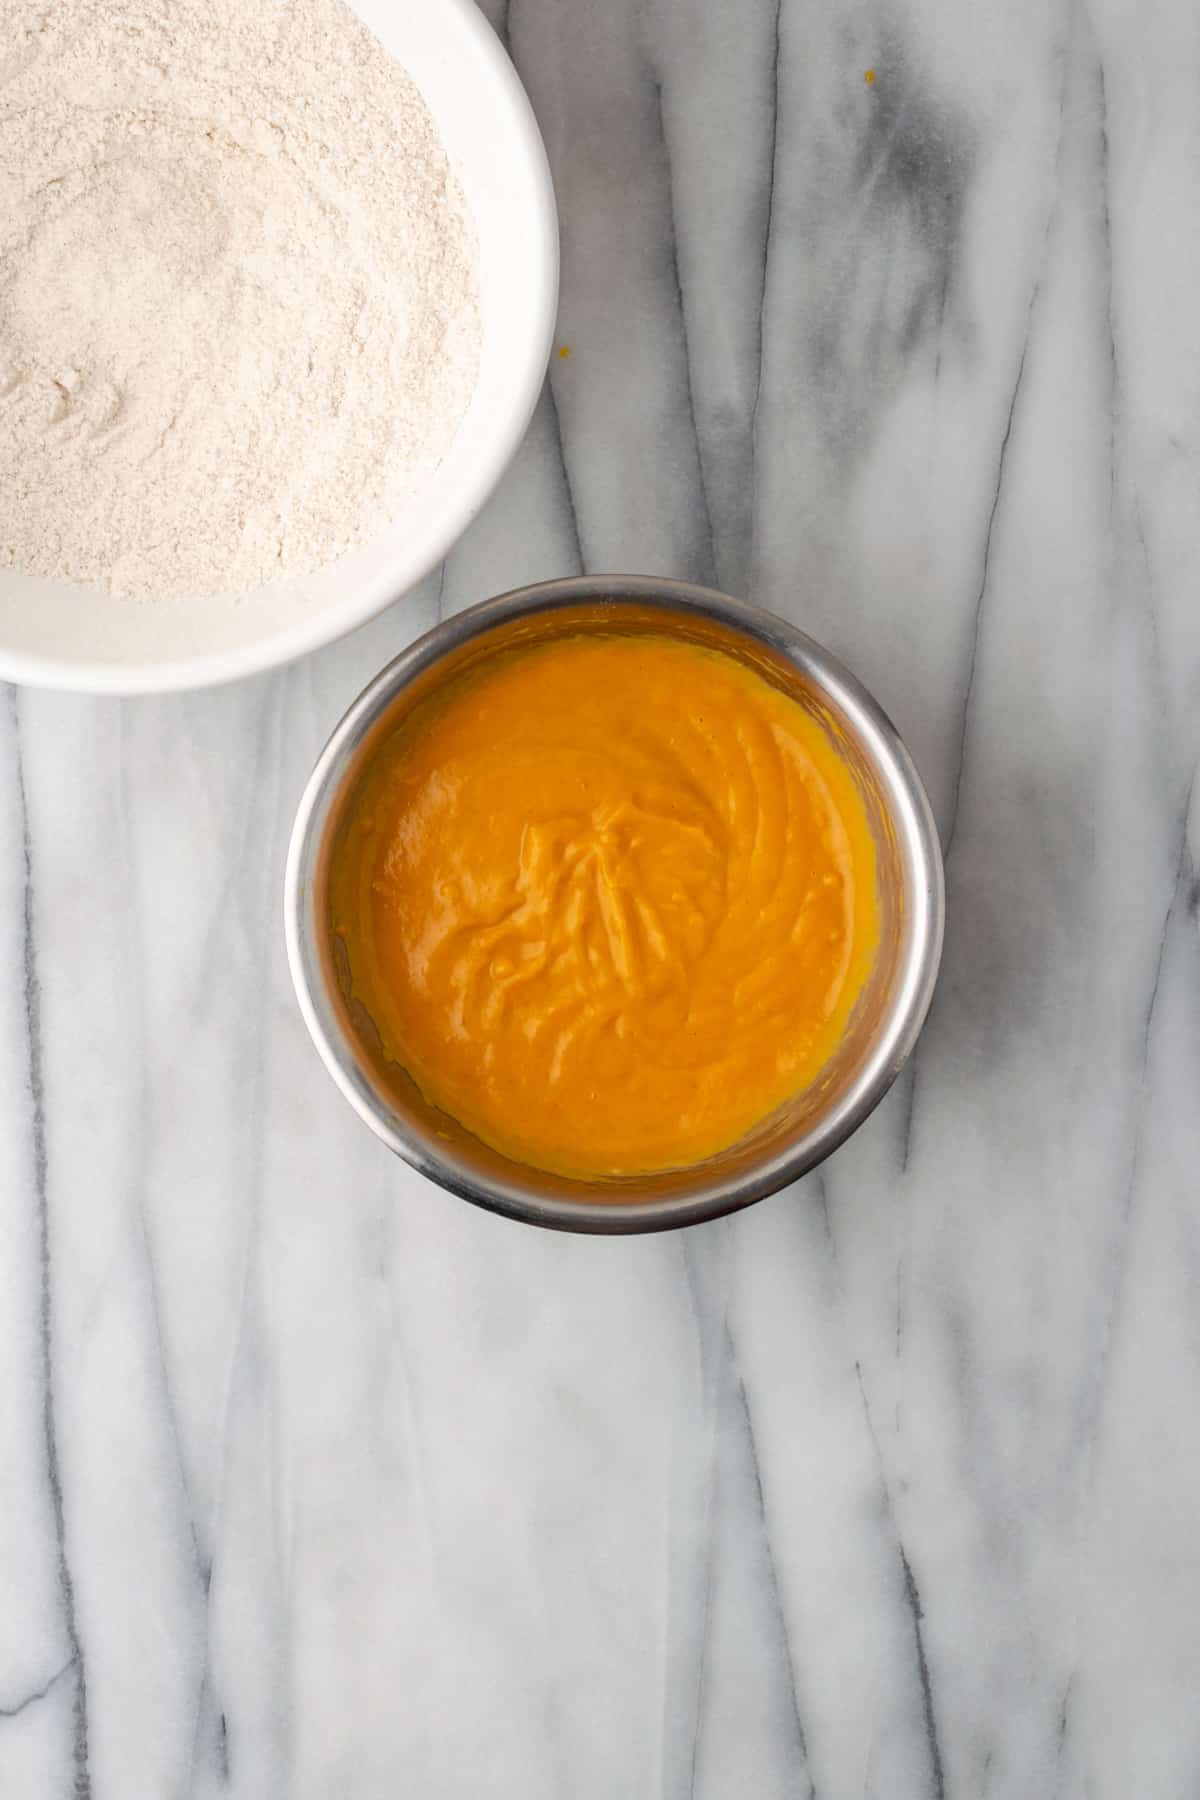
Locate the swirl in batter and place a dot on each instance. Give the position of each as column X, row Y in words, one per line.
column 610, row 900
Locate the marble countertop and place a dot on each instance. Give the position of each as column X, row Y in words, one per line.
column 316, row 1482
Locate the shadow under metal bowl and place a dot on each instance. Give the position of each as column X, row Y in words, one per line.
column 885, row 1023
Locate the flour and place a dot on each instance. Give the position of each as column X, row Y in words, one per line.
column 239, row 316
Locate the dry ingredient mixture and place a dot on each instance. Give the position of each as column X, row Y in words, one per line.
column 239, row 317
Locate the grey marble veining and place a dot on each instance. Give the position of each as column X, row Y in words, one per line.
column 317, row 1483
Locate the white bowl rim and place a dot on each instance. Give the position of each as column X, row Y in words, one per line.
column 324, row 625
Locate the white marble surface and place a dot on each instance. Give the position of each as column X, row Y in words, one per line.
column 314, row 1482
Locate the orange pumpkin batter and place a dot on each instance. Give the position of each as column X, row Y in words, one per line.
column 610, row 900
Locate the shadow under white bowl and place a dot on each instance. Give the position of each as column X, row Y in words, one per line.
column 60, row 635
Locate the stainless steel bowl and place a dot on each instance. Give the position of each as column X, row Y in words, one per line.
column 886, row 1021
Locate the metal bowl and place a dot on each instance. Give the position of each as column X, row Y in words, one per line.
column 881, row 1031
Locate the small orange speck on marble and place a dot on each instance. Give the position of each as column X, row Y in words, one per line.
column 869, row 77
column 564, row 350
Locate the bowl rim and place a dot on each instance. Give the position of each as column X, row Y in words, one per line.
column 326, row 624
column 909, row 811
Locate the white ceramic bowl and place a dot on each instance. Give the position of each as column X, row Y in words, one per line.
column 57, row 634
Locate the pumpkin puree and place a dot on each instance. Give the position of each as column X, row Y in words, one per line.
column 610, row 900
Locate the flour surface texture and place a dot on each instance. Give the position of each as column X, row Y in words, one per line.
column 239, row 316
